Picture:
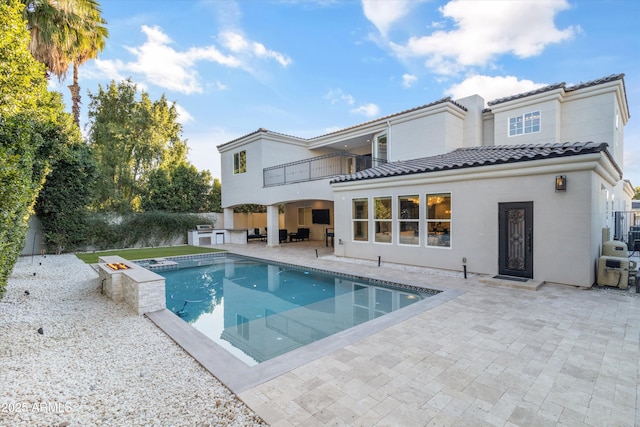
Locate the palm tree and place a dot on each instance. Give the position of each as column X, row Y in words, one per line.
column 65, row 32
column 90, row 40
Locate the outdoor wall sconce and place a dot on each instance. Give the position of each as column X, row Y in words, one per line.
column 561, row 183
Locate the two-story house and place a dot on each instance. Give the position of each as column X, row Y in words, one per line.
column 526, row 187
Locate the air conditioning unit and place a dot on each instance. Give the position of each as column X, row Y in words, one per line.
column 613, row 271
column 614, row 268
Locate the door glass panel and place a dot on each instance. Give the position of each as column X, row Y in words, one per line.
column 516, row 239
column 381, row 149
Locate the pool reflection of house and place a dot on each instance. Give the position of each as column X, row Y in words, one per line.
column 287, row 313
column 526, row 187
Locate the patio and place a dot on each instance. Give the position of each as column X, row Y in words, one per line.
column 495, row 355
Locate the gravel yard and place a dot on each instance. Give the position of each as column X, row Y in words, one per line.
column 94, row 362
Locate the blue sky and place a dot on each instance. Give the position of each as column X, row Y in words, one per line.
column 305, row 68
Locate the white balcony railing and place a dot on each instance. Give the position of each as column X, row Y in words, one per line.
column 320, row 167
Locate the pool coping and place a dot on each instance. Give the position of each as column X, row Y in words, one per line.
column 239, row 377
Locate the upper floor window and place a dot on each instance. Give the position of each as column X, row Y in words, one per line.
column 240, row 162
column 380, row 149
column 526, row 123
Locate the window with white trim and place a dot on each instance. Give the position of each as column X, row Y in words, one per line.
column 382, row 214
column 526, row 123
column 380, row 149
column 409, row 219
column 304, row 216
column 360, row 219
column 439, row 220
column 240, row 162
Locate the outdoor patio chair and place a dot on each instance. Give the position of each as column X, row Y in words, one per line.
column 301, row 234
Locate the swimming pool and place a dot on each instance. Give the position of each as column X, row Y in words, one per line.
column 259, row 310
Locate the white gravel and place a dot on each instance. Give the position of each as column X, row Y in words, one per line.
column 96, row 362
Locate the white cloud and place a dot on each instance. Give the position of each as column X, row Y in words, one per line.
column 219, row 85
column 159, row 63
column 335, row 96
column 108, row 68
column 238, row 44
column 234, row 41
column 491, row 88
column 383, row 14
column 486, row 29
column 183, row 115
column 367, row 110
column 408, row 80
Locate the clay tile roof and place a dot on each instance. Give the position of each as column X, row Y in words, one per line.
column 255, row 132
column 383, row 118
column 476, row 157
column 431, row 104
column 562, row 85
column 596, row 82
column 522, row 95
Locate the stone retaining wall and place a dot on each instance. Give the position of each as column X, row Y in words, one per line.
column 139, row 288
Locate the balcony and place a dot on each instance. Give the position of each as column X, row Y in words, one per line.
column 320, row 167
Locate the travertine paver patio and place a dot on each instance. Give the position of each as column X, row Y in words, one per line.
column 494, row 356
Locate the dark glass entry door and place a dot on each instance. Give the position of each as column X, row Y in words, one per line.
column 516, row 239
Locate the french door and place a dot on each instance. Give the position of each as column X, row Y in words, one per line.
column 515, row 223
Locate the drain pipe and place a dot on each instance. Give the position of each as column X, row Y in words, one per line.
column 378, row 260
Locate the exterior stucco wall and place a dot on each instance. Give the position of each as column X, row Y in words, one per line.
column 488, row 123
column 566, row 231
column 473, row 122
column 429, row 135
column 34, row 240
column 242, row 187
column 593, row 119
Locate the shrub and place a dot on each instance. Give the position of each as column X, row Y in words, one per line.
column 25, row 105
column 145, row 229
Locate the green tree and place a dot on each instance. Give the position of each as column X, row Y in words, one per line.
column 157, row 191
column 250, row 208
column 636, row 196
column 131, row 137
column 65, row 32
column 28, row 114
column 190, row 189
column 182, row 190
column 214, row 200
column 63, row 201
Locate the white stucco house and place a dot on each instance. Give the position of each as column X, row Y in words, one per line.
column 525, row 186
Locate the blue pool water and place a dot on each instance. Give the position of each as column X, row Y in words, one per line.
column 257, row 310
